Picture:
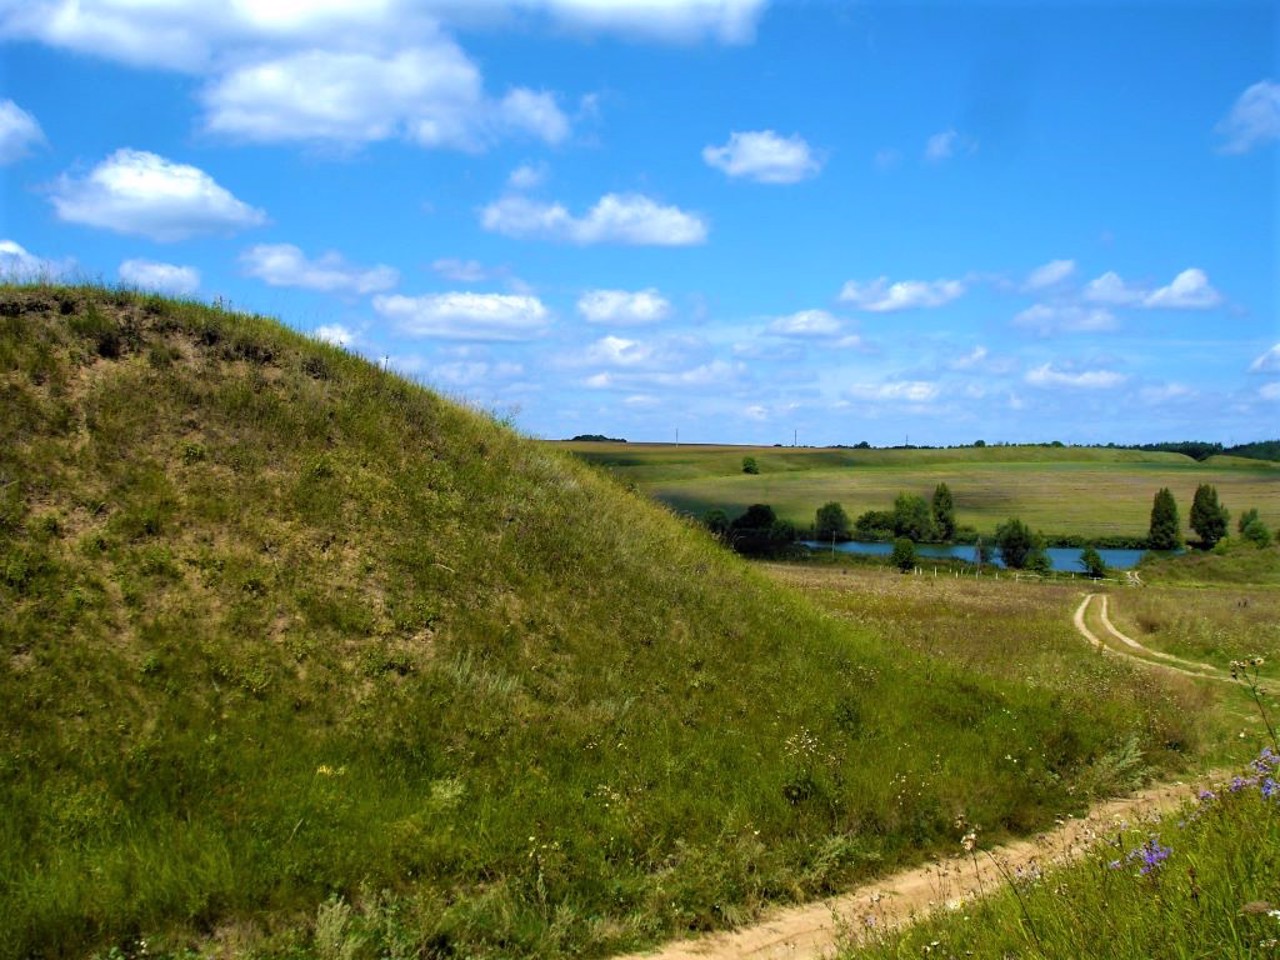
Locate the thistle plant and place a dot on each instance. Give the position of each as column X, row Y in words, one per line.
column 1247, row 672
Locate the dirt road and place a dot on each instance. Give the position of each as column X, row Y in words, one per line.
column 811, row 930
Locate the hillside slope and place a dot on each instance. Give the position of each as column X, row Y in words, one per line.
column 298, row 657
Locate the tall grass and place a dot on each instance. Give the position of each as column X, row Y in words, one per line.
column 299, row 658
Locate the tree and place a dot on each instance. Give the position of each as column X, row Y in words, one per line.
column 758, row 516
column 716, row 521
column 1017, row 544
column 912, row 518
column 1253, row 529
column 1166, row 529
column 831, row 522
column 1091, row 561
column 1209, row 518
column 943, row 508
column 749, row 465
column 904, row 554
column 759, row 531
column 875, row 525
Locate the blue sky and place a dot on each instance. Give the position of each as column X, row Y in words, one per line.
column 743, row 220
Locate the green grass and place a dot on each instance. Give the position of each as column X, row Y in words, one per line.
column 299, row 659
column 1062, row 491
column 1200, row 883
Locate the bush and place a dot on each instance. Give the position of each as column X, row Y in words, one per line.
column 904, row 554
column 831, row 522
column 1017, row 544
column 749, row 465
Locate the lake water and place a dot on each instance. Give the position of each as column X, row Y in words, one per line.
column 1062, row 559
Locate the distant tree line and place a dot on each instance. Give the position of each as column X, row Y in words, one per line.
column 595, row 438
column 1209, row 519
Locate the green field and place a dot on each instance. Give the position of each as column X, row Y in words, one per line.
column 1061, row 491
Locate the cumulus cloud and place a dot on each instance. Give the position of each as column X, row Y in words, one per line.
column 471, row 373
column 624, row 307
column 901, row 391
column 460, row 271
column 140, row 193
column 881, row 296
column 625, row 218
column 1069, row 318
column 1268, row 362
column 163, row 277
column 334, row 333
column 974, row 358
column 1047, row 376
column 19, row 132
column 527, row 176
column 806, row 323
column 431, row 94
column 466, row 316
column 1051, row 274
column 19, row 265
column 683, row 21
column 1190, row 290
column 284, row 265
column 1110, row 288
column 623, row 352
column 765, row 157
column 1254, row 119
column 941, row 146
column 1166, row 393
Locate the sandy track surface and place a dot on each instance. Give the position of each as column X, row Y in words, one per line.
column 812, row 930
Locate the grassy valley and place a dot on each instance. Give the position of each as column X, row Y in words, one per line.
column 1062, row 491
column 299, row 659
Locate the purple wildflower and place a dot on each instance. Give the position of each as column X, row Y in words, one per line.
column 1266, row 762
column 1239, row 783
column 1207, row 796
column 1152, row 854
column 1270, row 788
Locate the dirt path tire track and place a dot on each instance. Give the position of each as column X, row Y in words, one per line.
column 811, row 931
column 1151, row 658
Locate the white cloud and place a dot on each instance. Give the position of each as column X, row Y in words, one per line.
column 941, row 146
column 19, row 132
column 1268, row 362
column 1168, row 393
column 164, row 277
column 284, row 265
column 135, row 192
column 624, row 307
column 627, row 218
column 1047, row 376
column 466, row 316
column 19, row 266
column 765, row 157
column 431, row 94
column 1270, row 391
column 806, row 323
column 460, row 271
column 1069, row 318
column 683, row 21
column 880, row 296
column 973, row 358
column 470, row 373
column 334, row 333
column 527, row 176
column 1190, row 290
column 1052, row 273
column 903, row 391
column 666, row 353
column 1254, row 119
column 1110, row 288
column 887, row 159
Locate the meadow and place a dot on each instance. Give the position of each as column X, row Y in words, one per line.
column 1061, row 491
column 301, row 660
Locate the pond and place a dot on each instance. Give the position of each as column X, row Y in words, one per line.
column 1062, row 559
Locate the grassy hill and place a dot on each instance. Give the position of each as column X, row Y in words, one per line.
column 1063, row 491
column 298, row 659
